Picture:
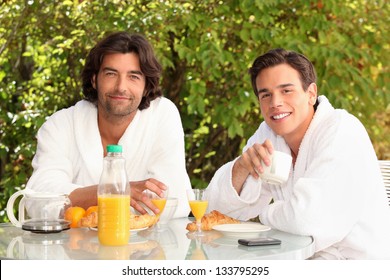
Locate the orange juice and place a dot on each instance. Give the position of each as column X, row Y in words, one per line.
column 160, row 203
column 198, row 208
column 114, row 219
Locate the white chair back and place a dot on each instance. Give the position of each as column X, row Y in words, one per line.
column 384, row 165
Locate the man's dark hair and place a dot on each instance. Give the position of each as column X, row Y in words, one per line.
column 123, row 42
column 275, row 57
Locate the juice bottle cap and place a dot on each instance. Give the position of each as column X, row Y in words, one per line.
column 114, row 149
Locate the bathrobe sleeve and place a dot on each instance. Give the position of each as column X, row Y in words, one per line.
column 52, row 163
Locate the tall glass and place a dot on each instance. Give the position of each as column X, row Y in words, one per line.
column 198, row 205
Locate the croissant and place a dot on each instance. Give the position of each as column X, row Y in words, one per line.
column 142, row 221
column 211, row 219
column 91, row 220
column 136, row 221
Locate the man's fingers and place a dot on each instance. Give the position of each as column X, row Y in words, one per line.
column 155, row 186
column 138, row 207
column 148, row 203
column 268, row 145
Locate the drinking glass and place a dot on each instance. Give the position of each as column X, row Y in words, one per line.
column 158, row 201
column 198, row 205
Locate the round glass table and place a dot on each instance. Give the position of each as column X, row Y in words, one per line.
column 171, row 243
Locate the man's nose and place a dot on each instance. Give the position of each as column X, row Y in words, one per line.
column 276, row 100
column 121, row 84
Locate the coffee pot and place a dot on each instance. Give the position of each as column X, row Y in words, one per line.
column 39, row 212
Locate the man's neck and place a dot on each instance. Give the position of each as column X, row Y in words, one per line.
column 294, row 145
column 112, row 129
column 295, row 139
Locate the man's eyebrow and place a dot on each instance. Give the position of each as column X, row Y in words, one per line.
column 261, row 90
column 109, row 69
column 135, row 72
column 285, row 85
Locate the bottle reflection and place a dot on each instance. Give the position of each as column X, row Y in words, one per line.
column 142, row 245
column 114, row 252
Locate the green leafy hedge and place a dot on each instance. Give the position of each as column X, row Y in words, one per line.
column 206, row 48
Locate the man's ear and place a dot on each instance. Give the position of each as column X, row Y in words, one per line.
column 93, row 81
column 312, row 91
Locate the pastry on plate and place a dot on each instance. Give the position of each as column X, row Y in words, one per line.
column 211, row 219
column 136, row 221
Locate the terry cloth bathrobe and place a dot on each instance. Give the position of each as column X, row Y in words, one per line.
column 334, row 193
column 70, row 152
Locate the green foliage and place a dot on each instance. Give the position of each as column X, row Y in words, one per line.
column 206, row 48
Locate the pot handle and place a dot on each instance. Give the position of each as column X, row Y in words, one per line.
column 11, row 246
column 10, row 208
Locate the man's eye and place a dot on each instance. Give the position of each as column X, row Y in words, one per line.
column 134, row 77
column 110, row 74
column 264, row 95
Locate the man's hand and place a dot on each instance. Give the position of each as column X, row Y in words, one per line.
column 138, row 196
column 87, row 196
column 249, row 163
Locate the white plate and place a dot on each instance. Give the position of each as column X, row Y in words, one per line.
column 241, row 230
column 132, row 231
column 138, row 229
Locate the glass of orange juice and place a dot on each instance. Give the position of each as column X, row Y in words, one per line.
column 158, row 200
column 198, row 205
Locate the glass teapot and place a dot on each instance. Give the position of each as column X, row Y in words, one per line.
column 39, row 212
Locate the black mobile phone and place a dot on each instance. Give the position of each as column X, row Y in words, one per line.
column 260, row 241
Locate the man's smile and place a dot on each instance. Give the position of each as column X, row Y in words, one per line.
column 280, row 116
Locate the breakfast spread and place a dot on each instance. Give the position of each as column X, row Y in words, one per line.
column 90, row 219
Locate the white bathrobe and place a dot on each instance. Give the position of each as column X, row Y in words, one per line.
column 70, row 151
column 334, row 193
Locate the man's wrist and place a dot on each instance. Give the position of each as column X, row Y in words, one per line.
column 239, row 175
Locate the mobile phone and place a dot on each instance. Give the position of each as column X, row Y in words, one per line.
column 260, row 241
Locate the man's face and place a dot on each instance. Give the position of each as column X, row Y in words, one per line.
column 120, row 85
column 285, row 106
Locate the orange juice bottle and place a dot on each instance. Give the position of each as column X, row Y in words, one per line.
column 114, row 200
column 114, row 219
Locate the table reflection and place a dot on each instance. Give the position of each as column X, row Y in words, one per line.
column 172, row 242
column 82, row 243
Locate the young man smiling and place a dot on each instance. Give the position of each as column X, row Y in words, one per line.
column 334, row 192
